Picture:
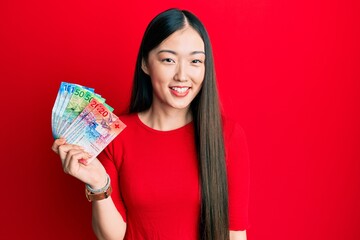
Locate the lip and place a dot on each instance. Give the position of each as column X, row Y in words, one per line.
column 179, row 94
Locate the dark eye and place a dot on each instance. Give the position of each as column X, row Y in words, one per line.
column 196, row 61
column 168, row 60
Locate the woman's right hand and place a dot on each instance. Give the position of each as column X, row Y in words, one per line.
column 75, row 163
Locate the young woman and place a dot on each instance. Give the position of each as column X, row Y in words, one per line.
column 179, row 170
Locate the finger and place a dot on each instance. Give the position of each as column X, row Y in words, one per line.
column 88, row 160
column 57, row 143
column 85, row 160
column 72, row 162
column 65, row 148
column 67, row 156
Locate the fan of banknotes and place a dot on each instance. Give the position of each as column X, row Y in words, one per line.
column 82, row 117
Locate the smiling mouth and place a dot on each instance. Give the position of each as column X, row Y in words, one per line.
column 180, row 89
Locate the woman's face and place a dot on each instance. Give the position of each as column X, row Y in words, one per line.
column 176, row 68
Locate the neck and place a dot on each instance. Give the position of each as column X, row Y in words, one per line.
column 165, row 120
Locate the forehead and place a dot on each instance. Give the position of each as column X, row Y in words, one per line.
column 183, row 40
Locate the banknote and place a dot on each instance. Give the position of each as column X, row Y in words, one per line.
column 66, row 90
column 79, row 99
column 94, row 128
column 64, row 98
column 65, row 93
column 58, row 101
column 77, row 124
column 82, row 117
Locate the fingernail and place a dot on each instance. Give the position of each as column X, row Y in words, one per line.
column 83, row 161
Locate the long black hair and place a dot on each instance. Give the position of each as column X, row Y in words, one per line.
column 206, row 116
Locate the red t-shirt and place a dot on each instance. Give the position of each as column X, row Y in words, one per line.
column 154, row 175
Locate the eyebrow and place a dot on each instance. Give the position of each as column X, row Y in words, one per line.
column 173, row 52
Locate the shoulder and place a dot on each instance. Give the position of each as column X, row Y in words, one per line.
column 231, row 128
column 128, row 119
column 235, row 142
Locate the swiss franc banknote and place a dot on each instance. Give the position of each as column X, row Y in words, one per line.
column 63, row 98
column 83, row 118
column 94, row 129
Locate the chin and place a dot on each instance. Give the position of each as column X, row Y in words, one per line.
column 181, row 106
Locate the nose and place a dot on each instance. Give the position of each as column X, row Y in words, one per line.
column 181, row 74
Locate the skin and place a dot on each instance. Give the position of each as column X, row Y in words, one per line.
column 178, row 62
column 176, row 68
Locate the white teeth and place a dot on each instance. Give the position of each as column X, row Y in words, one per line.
column 180, row 89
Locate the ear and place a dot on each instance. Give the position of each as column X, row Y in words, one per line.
column 144, row 66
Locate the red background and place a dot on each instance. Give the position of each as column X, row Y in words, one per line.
column 287, row 70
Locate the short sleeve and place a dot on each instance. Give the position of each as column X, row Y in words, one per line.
column 112, row 162
column 238, row 171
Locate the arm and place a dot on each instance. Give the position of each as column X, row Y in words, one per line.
column 238, row 235
column 107, row 221
column 238, row 181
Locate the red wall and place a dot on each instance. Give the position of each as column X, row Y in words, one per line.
column 287, row 70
